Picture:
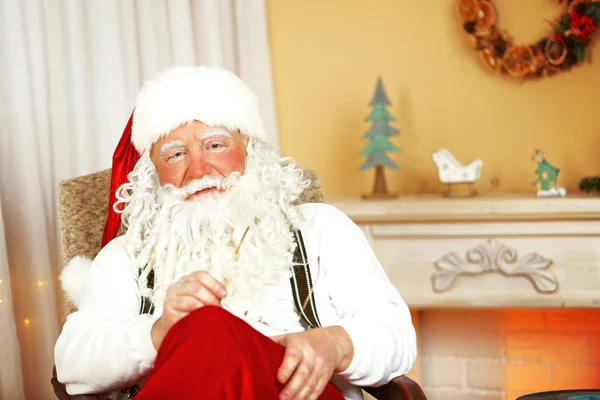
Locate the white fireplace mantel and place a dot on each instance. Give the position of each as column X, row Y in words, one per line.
column 485, row 251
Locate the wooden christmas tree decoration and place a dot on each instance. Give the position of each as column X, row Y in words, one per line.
column 379, row 143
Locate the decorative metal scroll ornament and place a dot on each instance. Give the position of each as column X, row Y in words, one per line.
column 494, row 257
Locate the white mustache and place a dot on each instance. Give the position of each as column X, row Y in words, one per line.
column 208, row 182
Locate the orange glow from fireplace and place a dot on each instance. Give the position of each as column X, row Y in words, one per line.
column 491, row 353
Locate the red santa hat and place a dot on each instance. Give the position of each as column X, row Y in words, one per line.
column 214, row 96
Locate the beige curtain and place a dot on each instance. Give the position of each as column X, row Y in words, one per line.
column 69, row 74
column 11, row 383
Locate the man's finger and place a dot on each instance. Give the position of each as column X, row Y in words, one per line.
column 307, row 388
column 186, row 304
column 299, row 379
column 187, row 287
column 291, row 359
column 281, row 339
column 319, row 387
column 211, row 283
column 207, row 298
column 196, row 289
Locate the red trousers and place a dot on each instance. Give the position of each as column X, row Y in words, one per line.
column 212, row 354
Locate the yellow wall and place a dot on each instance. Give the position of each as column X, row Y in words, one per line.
column 327, row 55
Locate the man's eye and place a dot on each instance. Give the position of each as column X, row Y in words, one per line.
column 177, row 154
column 215, row 146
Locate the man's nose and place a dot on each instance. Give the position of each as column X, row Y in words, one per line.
column 199, row 167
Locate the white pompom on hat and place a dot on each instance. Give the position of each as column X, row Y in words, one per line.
column 178, row 95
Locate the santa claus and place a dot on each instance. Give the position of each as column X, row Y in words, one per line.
column 221, row 285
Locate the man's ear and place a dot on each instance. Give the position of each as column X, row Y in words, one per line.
column 150, row 152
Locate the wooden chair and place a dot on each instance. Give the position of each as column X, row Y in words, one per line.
column 82, row 211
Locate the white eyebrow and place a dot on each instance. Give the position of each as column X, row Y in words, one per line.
column 170, row 145
column 215, row 132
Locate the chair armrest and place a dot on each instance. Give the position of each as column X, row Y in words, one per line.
column 61, row 391
column 401, row 388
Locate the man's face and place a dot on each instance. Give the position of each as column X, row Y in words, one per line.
column 196, row 150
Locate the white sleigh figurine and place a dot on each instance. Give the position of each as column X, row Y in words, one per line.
column 451, row 172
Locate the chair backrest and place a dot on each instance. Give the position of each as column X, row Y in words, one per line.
column 83, row 205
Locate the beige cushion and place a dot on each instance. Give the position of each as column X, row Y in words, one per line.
column 83, row 205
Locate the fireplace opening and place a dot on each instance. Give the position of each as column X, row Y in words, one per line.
column 500, row 354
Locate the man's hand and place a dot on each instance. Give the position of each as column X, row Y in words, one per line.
column 310, row 359
column 191, row 292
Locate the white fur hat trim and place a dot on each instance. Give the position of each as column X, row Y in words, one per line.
column 214, row 96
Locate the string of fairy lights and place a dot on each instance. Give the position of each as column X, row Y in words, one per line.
column 26, row 321
column 40, row 283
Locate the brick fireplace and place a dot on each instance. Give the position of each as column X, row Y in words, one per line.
column 505, row 291
column 492, row 354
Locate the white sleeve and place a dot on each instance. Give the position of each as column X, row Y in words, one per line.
column 106, row 344
column 372, row 311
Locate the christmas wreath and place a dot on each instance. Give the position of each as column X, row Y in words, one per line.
column 564, row 48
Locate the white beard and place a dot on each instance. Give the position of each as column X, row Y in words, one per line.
column 203, row 234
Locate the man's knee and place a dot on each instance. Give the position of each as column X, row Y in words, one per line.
column 207, row 320
column 205, row 325
column 222, row 329
column 208, row 314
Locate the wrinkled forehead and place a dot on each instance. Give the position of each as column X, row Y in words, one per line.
column 196, row 131
column 176, row 137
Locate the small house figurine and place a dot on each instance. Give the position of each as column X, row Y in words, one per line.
column 547, row 177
